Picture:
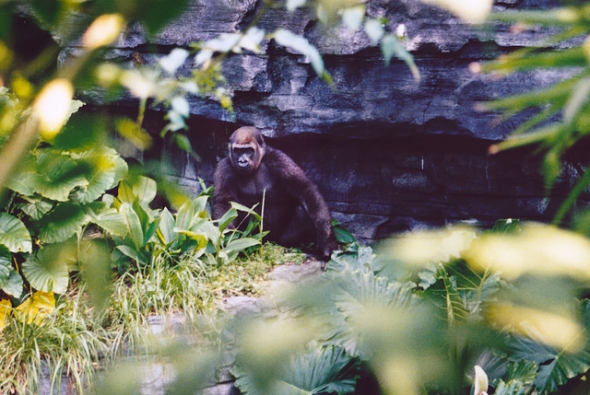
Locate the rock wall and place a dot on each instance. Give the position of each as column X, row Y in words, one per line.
column 389, row 153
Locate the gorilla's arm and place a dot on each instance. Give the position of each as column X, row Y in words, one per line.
column 224, row 190
column 299, row 185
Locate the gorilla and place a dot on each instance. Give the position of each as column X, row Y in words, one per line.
column 294, row 212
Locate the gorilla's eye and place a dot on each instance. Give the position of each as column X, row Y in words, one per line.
column 243, row 151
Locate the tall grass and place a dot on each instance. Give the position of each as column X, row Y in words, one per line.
column 74, row 343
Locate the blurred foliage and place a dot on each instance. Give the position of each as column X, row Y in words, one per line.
column 562, row 108
column 414, row 325
column 414, row 317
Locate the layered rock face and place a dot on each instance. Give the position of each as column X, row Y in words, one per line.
column 388, row 152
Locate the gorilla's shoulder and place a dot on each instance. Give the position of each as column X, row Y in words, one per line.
column 274, row 154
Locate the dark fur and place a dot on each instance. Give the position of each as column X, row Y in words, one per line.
column 294, row 211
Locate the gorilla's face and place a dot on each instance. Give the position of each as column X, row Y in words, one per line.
column 243, row 159
column 246, row 150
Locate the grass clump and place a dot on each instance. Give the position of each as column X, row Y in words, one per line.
column 73, row 343
column 69, row 342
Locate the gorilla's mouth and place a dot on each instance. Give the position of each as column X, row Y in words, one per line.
column 244, row 168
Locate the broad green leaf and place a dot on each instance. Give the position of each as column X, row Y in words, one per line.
column 523, row 371
column 145, row 189
column 151, row 230
column 556, row 367
column 101, row 172
column 133, row 254
column 14, row 234
column 108, row 219
column 58, row 176
column 356, row 293
column 35, row 207
column 14, row 284
column 342, row 234
column 319, row 370
column 132, row 224
column 139, row 188
column 36, row 308
column 5, row 265
column 323, row 371
column 200, row 239
column 185, row 215
column 234, row 247
column 227, row 218
column 209, row 230
column 25, row 178
column 444, row 294
column 248, row 210
column 48, row 270
column 64, row 221
column 81, row 132
column 166, row 228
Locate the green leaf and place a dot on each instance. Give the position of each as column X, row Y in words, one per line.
column 25, row 178
column 108, row 219
column 133, row 225
column 445, row 295
column 14, row 284
column 199, row 238
column 103, row 166
column 523, row 371
column 300, row 44
column 14, row 234
column 166, row 228
column 64, row 221
column 141, row 188
column 5, row 265
column 357, row 291
column 235, row 247
column 391, row 46
column 81, row 132
column 185, row 215
column 577, row 100
column 133, row 254
column 48, row 271
column 10, row 281
column 342, row 234
column 556, row 367
column 227, row 218
column 353, row 17
column 374, row 29
column 58, row 176
column 35, row 207
column 320, row 370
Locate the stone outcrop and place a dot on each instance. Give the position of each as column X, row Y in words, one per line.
column 388, row 152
